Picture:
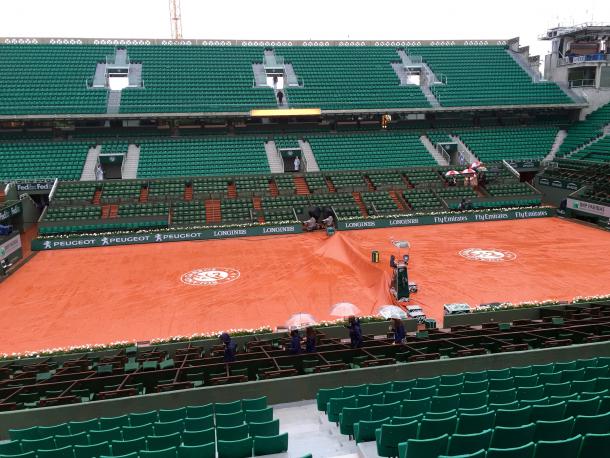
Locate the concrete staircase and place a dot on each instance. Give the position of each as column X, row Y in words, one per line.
column 559, row 138
column 114, row 102
column 440, row 160
column 132, row 159
column 260, row 75
column 135, row 75
column 430, row 96
column 524, row 64
column 468, row 155
column 291, row 79
column 88, row 172
column 310, row 159
column 99, row 79
column 120, row 57
column 276, row 165
column 400, row 71
column 427, row 76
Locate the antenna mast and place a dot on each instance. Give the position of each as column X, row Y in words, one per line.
column 175, row 19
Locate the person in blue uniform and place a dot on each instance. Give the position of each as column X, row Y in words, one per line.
column 230, row 347
column 295, row 342
column 355, row 331
column 399, row 330
column 310, row 340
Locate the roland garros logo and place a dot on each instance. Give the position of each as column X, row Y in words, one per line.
column 210, row 276
column 488, row 255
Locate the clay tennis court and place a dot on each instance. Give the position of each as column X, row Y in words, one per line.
column 100, row 295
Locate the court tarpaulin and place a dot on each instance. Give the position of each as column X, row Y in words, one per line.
column 140, row 292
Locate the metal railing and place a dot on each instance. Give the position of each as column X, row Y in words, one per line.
column 582, row 83
column 443, row 152
column 511, row 169
column 570, row 60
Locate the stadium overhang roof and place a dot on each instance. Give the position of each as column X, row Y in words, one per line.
column 229, row 42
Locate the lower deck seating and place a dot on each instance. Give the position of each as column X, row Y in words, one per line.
column 495, row 409
column 240, row 428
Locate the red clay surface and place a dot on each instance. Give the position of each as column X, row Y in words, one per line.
column 100, row 295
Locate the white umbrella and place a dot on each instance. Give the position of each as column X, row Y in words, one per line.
column 392, row 311
column 452, row 173
column 300, row 320
column 468, row 171
column 344, row 309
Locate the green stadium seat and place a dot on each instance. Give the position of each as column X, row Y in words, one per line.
column 197, row 451
column 568, row 448
column 423, row 448
column 388, row 437
column 235, row 449
column 516, row 436
column 196, row 438
column 267, row 445
column 461, row 444
column 91, row 451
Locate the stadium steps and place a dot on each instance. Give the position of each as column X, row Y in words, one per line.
column 524, row 64
column 559, row 138
column 188, row 192
column 258, row 207
column 301, row 186
column 400, row 203
column 407, row 181
column 143, row 195
column 401, row 73
column 88, row 172
column 369, row 183
column 120, row 56
column 114, row 102
column 430, row 96
column 132, row 159
column 276, row 165
column 212, row 211
column 310, row 160
column 97, row 195
column 231, row 190
column 330, row 185
column 99, row 79
column 440, row 160
column 135, row 75
column 2, row 196
column 105, row 213
column 273, row 189
column 260, row 75
column 469, row 156
column 113, row 211
column 291, row 77
column 358, row 199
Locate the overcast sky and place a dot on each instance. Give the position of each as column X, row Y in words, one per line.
column 307, row 19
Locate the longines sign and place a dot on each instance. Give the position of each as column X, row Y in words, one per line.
column 218, row 233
